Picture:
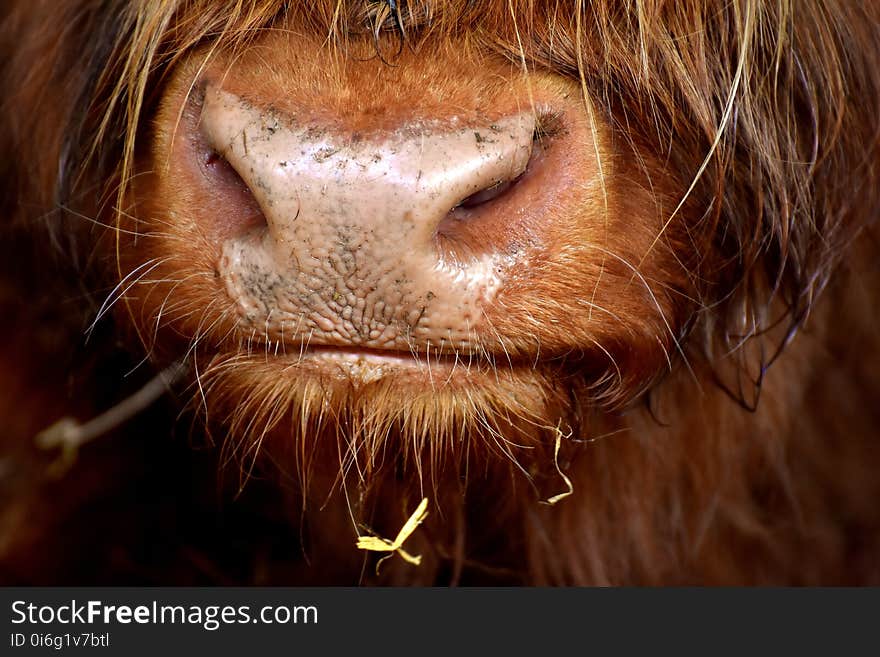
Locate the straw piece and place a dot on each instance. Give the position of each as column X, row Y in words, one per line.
column 379, row 544
column 560, row 496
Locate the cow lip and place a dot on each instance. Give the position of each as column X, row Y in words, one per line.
column 417, row 369
column 420, row 356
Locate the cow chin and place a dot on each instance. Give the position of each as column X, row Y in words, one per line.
column 378, row 406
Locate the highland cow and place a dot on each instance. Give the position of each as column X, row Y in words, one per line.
column 595, row 280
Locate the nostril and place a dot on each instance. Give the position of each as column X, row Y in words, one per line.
column 548, row 126
column 489, row 193
column 238, row 210
column 499, row 217
column 221, row 171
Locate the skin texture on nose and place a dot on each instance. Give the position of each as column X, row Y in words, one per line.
column 349, row 252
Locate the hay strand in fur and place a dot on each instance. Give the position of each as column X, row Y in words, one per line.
column 560, row 496
column 379, row 544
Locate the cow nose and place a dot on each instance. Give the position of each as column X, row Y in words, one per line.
column 385, row 237
column 309, row 177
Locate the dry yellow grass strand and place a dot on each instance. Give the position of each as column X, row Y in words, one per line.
column 379, row 544
column 560, row 496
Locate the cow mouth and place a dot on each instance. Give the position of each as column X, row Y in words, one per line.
column 421, row 366
column 388, row 356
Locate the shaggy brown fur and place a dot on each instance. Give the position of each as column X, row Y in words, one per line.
column 717, row 414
